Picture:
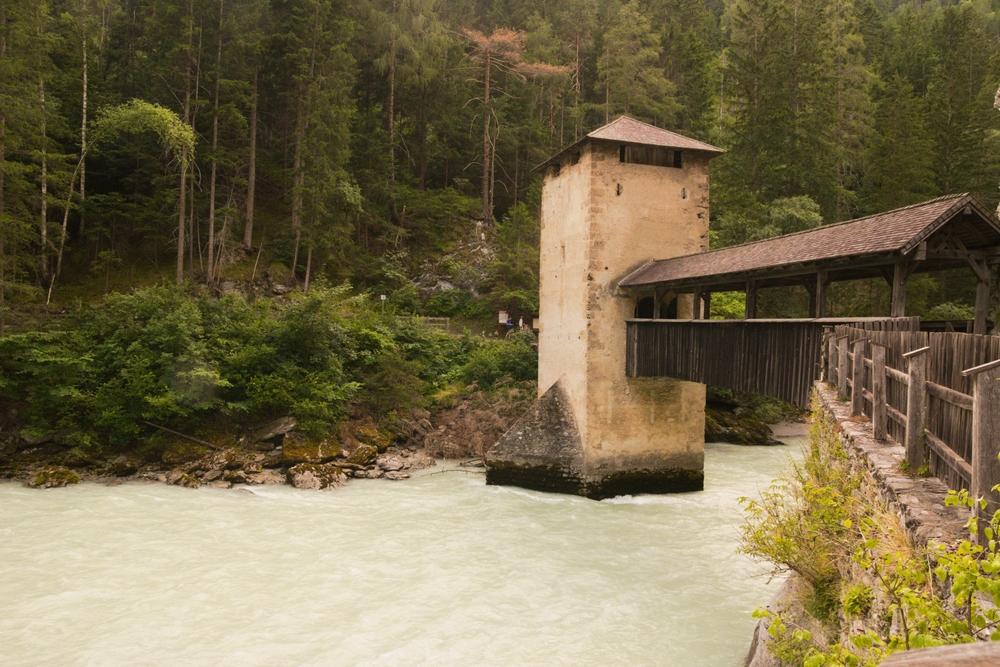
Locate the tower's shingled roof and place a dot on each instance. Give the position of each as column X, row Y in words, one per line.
column 628, row 130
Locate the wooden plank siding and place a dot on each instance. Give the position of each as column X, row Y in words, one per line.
column 779, row 358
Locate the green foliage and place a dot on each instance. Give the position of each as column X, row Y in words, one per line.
column 512, row 359
column 950, row 311
column 161, row 356
column 139, row 116
column 827, row 524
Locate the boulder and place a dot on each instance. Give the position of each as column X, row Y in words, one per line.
column 369, row 434
column 397, row 475
column 181, row 478
column 296, row 448
column 737, row 427
column 316, row 476
column 364, row 455
column 272, row 430
column 122, row 466
column 266, row 477
column 212, row 475
column 391, row 462
column 54, row 477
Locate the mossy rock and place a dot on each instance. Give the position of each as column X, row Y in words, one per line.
column 737, row 427
column 364, row 455
column 297, row 448
column 279, row 273
column 182, row 451
column 51, row 478
column 374, row 436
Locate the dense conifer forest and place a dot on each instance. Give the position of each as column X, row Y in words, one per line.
column 379, row 141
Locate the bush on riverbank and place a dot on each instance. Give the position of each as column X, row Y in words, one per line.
column 179, row 360
column 868, row 586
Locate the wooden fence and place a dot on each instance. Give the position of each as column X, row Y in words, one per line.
column 936, row 393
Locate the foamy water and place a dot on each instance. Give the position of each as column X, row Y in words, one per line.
column 436, row 570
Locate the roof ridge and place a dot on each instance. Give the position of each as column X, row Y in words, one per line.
column 832, row 224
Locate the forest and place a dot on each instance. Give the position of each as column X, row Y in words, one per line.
column 390, row 143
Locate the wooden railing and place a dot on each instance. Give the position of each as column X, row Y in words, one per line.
column 938, row 394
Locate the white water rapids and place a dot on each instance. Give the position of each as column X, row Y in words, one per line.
column 436, row 570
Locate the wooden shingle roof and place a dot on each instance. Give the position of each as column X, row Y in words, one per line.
column 898, row 231
column 628, row 130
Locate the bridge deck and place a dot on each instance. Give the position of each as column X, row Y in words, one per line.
column 778, row 358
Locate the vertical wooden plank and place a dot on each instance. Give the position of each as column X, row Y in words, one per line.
column 707, row 301
column 822, row 281
column 878, row 392
column 842, row 367
column 831, row 359
column 982, row 305
column 985, row 434
column 858, row 379
column 751, row 305
column 916, row 399
column 899, row 275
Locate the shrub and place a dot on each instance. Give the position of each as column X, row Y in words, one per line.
column 163, row 356
column 498, row 360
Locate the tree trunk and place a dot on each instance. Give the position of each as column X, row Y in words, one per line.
column 252, row 175
column 577, row 121
column 43, row 256
column 182, row 189
column 83, row 139
column 391, row 103
column 309, row 263
column 298, row 181
column 487, row 156
column 3, row 201
column 210, row 273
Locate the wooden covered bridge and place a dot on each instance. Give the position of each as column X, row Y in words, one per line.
column 937, row 392
column 781, row 357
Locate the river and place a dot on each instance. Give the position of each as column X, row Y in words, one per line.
column 436, row 570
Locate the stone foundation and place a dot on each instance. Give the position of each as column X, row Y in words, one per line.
column 543, row 451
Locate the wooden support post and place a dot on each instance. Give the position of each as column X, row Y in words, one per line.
column 831, row 359
column 696, row 306
column 707, row 299
column 657, row 298
column 858, row 379
column 916, row 400
column 842, row 367
column 900, row 273
column 982, row 304
column 985, row 436
column 819, row 294
column 751, row 308
column 878, row 392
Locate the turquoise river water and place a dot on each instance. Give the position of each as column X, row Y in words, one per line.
column 436, row 570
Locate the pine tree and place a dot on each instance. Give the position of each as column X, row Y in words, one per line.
column 629, row 74
column 901, row 154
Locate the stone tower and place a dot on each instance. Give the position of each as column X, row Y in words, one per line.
column 627, row 193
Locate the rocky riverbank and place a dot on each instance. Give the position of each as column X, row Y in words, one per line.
column 276, row 452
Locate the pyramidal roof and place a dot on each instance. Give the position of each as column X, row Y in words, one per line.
column 628, row 130
column 631, row 131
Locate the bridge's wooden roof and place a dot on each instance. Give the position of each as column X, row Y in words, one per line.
column 847, row 247
column 628, row 130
